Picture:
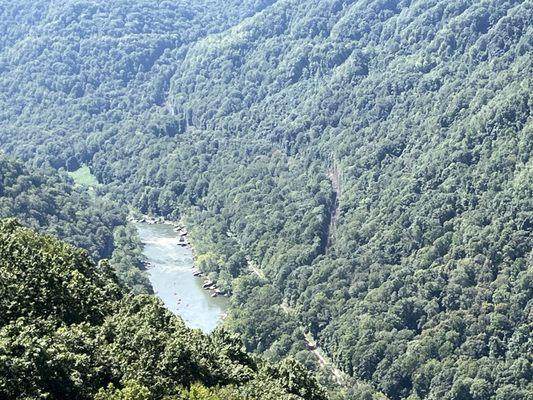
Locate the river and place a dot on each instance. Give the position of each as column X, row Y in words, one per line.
column 171, row 274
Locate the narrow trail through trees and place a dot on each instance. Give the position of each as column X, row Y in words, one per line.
column 323, row 360
column 253, row 267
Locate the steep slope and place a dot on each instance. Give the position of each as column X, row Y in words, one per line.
column 67, row 329
column 423, row 108
column 70, row 68
column 49, row 201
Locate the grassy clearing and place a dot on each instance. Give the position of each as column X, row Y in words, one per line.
column 83, row 177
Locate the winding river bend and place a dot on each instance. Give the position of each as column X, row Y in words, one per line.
column 171, row 274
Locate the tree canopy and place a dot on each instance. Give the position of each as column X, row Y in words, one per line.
column 370, row 158
column 68, row 329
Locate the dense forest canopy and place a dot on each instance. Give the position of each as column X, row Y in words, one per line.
column 50, row 201
column 68, row 330
column 370, row 158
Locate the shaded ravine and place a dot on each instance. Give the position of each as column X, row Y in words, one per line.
column 171, row 275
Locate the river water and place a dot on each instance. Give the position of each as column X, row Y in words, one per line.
column 171, row 274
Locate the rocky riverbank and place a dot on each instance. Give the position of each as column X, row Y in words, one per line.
column 181, row 231
column 171, row 272
column 183, row 241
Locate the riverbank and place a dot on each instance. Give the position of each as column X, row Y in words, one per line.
column 180, row 229
column 183, row 241
column 175, row 279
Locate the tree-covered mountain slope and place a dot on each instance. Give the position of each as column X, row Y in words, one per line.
column 50, row 202
column 69, row 330
column 69, row 68
column 370, row 158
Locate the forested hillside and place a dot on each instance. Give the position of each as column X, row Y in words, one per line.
column 50, row 201
column 371, row 159
column 69, row 331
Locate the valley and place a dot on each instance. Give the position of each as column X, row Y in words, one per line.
column 355, row 174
